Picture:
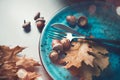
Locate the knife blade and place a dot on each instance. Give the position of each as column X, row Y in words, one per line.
column 66, row 28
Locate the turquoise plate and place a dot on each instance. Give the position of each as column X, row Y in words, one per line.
column 103, row 22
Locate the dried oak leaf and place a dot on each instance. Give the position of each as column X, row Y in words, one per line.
column 32, row 75
column 27, row 63
column 76, row 57
column 100, row 52
column 10, row 63
column 10, row 53
column 8, row 60
column 86, row 72
column 86, row 61
column 98, row 49
column 75, row 46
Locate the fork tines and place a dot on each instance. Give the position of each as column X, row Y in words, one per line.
column 56, row 33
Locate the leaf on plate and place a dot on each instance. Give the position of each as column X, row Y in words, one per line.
column 86, row 60
column 75, row 57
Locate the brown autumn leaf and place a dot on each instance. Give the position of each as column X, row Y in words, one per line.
column 10, row 63
column 8, row 57
column 32, row 75
column 10, row 53
column 86, row 61
column 100, row 52
column 27, row 63
column 76, row 57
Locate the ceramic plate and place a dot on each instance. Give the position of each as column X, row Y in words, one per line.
column 103, row 22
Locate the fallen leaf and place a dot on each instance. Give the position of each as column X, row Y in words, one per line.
column 9, row 53
column 86, row 59
column 27, row 63
column 11, row 64
column 76, row 57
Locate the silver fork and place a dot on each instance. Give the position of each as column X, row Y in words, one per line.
column 59, row 35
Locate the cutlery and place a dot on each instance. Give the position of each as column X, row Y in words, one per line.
column 58, row 35
column 66, row 32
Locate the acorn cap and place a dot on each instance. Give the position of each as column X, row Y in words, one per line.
column 40, row 19
column 26, row 24
column 82, row 21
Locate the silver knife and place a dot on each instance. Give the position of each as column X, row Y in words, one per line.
column 66, row 28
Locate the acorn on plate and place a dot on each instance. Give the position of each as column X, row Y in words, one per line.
column 66, row 43
column 53, row 56
column 71, row 19
column 82, row 21
column 57, row 45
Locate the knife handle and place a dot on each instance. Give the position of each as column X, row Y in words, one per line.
column 116, row 42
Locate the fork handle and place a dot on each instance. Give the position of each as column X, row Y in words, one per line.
column 116, row 42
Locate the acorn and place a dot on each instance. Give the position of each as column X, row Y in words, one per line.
column 66, row 43
column 57, row 45
column 26, row 26
column 53, row 56
column 71, row 19
column 40, row 23
column 82, row 21
column 37, row 16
